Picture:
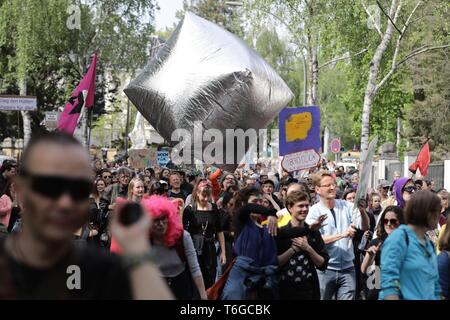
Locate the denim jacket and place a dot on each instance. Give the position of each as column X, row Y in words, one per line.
column 245, row 275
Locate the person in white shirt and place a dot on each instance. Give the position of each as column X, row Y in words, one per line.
column 339, row 279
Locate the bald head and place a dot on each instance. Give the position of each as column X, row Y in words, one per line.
column 54, row 153
column 58, row 160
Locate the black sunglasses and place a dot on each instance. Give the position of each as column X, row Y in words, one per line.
column 106, row 177
column 391, row 221
column 410, row 189
column 55, row 186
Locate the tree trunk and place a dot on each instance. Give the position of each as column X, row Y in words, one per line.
column 25, row 115
column 314, row 75
column 373, row 73
column 399, row 128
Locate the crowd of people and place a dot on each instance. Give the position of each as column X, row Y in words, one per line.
column 243, row 235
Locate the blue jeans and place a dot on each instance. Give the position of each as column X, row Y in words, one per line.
column 340, row 284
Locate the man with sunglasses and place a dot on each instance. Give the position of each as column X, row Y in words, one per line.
column 41, row 261
column 106, row 175
column 120, row 189
column 383, row 189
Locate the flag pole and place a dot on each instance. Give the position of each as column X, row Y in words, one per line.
column 89, row 129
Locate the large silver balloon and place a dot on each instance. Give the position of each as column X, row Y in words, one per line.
column 205, row 73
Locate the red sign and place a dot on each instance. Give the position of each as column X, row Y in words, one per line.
column 300, row 160
column 335, row 145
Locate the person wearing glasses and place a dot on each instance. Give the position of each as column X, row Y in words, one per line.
column 41, row 261
column 339, row 279
column 120, row 189
column 228, row 180
column 383, row 190
column 173, row 250
column 106, row 176
column 409, row 268
column 391, row 219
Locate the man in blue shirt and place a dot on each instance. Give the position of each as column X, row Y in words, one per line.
column 339, row 279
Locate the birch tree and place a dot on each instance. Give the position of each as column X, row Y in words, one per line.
column 394, row 32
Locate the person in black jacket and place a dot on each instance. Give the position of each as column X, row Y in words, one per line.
column 298, row 258
column 253, row 275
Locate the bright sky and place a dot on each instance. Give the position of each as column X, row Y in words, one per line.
column 165, row 17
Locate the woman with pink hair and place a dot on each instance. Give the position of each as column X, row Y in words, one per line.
column 173, row 249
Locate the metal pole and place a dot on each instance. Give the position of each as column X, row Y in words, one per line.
column 127, row 128
column 89, row 128
column 18, row 124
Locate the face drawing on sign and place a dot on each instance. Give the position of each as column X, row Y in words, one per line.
column 298, row 126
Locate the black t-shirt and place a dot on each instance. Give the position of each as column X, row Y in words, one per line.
column 195, row 221
column 83, row 274
column 180, row 195
column 187, row 187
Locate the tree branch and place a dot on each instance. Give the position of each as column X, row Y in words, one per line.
column 402, row 33
column 343, row 58
column 371, row 17
column 390, row 19
column 406, row 58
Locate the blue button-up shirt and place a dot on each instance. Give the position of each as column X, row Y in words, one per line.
column 341, row 254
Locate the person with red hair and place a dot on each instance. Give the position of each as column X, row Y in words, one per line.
column 173, row 249
column 202, row 220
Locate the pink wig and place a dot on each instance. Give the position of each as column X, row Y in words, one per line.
column 159, row 206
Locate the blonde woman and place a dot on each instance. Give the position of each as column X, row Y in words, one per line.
column 136, row 190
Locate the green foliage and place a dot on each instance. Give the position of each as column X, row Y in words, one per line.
column 217, row 11
column 36, row 44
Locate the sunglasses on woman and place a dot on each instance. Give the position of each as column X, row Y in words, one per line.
column 55, row 186
column 410, row 189
column 393, row 222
